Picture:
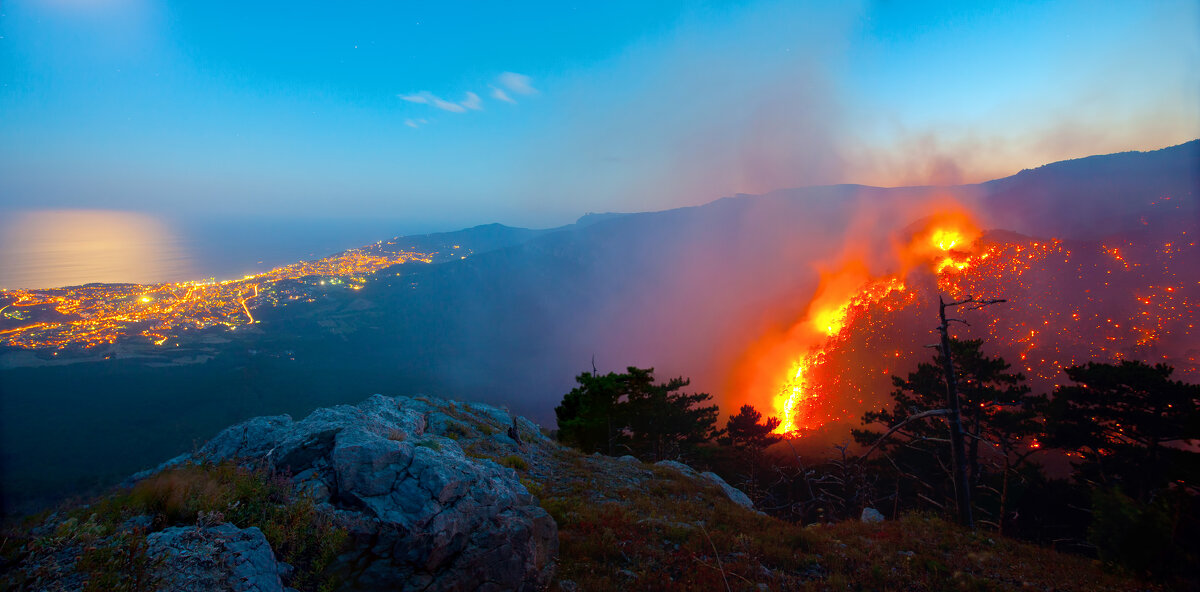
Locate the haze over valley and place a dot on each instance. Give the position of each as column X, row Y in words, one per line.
column 723, row 293
column 645, row 296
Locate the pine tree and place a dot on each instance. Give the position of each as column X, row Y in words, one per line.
column 1129, row 423
column 744, row 429
column 997, row 417
column 590, row 417
column 618, row 413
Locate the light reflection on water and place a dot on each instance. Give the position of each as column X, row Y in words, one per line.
column 54, row 248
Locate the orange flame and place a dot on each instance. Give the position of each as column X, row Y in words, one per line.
column 940, row 244
column 796, row 399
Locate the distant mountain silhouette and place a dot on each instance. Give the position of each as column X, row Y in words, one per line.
column 684, row 290
column 1090, row 198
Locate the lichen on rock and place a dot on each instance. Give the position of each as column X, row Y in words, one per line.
column 431, row 516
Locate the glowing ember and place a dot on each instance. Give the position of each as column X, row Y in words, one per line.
column 939, row 246
column 1068, row 306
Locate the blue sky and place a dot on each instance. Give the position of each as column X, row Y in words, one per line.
column 534, row 113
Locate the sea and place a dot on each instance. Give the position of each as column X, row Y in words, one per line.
column 56, row 248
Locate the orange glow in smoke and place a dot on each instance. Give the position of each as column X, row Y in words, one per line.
column 940, row 243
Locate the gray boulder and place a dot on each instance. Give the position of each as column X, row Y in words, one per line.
column 426, row 515
column 223, row 557
column 734, row 494
column 871, row 515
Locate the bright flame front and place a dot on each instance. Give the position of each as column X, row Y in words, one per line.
column 940, row 246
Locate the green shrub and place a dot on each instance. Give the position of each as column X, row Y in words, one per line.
column 1132, row 535
column 120, row 564
column 114, row 558
column 513, row 461
column 457, row 431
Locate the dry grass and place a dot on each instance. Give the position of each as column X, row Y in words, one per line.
column 921, row 552
column 634, row 527
column 513, row 461
column 113, row 555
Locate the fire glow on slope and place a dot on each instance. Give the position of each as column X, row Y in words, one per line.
column 1134, row 297
column 941, row 245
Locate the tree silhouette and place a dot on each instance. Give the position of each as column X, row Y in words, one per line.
column 590, row 416
column 996, row 415
column 613, row 413
column 1129, row 423
column 1133, row 433
column 745, row 430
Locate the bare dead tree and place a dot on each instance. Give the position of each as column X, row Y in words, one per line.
column 962, row 488
column 907, row 420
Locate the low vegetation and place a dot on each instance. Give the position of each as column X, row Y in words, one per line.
column 105, row 542
column 631, row 526
column 1122, row 494
column 1126, row 510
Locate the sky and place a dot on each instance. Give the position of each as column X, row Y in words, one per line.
column 451, row 114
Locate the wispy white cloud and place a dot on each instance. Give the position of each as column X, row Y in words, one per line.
column 427, row 98
column 448, row 106
column 472, row 102
column 417, row 98
column 415, row 123
column 517, row 83
column 500, row 95
column 507, row 84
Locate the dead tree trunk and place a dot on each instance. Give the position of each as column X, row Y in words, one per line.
column 962, row 488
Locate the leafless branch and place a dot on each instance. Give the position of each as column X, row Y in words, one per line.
column 908, row 419
column 978, row 304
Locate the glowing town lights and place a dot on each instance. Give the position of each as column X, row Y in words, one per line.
column 99, row 314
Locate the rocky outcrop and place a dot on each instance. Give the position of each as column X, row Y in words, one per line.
column 426, row 515
column 427, row 489
column 734, row 494
column 222, row 557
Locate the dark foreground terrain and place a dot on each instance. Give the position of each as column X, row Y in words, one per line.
column 426, row 494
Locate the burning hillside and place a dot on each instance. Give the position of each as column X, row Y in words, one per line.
column 1068, row 302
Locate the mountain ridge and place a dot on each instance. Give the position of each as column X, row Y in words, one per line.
column 686, row 291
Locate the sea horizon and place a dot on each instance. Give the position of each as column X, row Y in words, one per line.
column 46, row 249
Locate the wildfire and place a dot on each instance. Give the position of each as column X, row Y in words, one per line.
column 1070, row 305
column 797, row 400
column 945, row 238
column 832, row 321
column 790, row 401
column 940, row 244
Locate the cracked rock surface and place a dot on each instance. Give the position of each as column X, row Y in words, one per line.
column 426, row 515
column 221, row 557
